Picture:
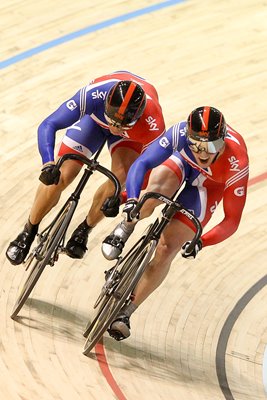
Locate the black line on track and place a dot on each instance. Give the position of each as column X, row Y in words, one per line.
column 226, row 332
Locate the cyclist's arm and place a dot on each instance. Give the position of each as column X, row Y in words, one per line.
column 233, row 204
column 154, row 155
column 68, row 113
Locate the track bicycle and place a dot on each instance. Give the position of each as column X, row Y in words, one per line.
column 121, row 279
column 51, row 241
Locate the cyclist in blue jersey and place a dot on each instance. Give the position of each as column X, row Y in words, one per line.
column 121, row 108
column 206, row 161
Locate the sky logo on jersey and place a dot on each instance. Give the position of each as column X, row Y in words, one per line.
column 152, row 124
column 99, row 95
column 234, row 164
column 164, row 142
column 71, row 105
column 183, row 131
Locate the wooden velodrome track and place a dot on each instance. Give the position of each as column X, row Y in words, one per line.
column 202, row 334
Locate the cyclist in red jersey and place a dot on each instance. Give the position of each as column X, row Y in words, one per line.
column 210, row 160
column 121, row 108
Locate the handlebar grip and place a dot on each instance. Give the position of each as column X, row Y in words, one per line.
column 72, row 156
column 94, row 166
column 178, row 207
column 192, row 245
column 144, row 198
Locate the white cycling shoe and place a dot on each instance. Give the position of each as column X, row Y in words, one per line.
column 113, row 244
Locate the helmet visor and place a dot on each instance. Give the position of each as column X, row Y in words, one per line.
column 117, row 124
column 211, row 147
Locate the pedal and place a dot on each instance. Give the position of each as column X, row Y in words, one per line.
column 115, row 335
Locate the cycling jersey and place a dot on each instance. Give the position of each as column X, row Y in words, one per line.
column 83, row 115
column 204, row 188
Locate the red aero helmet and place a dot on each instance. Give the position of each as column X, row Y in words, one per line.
column 125, row 103
column 206, row 124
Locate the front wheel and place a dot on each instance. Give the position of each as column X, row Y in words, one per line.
column 49, row 244
column 131, row 271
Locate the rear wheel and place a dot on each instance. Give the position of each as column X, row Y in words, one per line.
column 46, row 254
column 131, row 270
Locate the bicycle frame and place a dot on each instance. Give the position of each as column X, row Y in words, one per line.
column 92, row 165
column 51, row 239
column 121, row 279
column 171, row 208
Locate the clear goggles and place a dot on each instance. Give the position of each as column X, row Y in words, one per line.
column 210, row 147
column 118, row 125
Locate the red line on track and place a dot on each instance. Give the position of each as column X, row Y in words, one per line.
column 100, row 350
column 257, row 179
column 102, row 361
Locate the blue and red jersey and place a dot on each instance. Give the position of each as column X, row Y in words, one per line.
column 90, row 100
column 228, row 176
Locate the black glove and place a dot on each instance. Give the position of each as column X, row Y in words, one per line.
column 193, row 253
column 50, row 175
column 111, row 207
column 127, row 211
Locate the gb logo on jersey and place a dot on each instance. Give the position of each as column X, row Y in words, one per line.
column 71, row 105
column 240, row 191
column 164, row 142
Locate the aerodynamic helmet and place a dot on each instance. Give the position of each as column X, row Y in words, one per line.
column 207, row 124
column 125, row 103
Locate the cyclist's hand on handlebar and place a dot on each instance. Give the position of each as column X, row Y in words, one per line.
column 111, row 207
column 193, row 253
column 50, row 174
column 128, row 209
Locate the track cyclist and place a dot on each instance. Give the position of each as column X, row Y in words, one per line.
column 207, row 160
column 121, row 108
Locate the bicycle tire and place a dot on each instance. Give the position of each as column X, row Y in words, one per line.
column 132, row 270
column 55, row 235
column 91, row 325
column 120, row 263
column 105, row 297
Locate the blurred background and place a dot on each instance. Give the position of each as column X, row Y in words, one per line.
column 195, row 53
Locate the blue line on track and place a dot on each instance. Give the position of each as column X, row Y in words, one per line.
column 86, row 31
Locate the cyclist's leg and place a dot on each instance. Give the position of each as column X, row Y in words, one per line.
column 175, row 234
column 170, row 243
column 123, row 153
column 200, row 200
column 76, row 140
column 165, row 179
column 122, row 156
column 154, row 274
column 85, row 137
column 47, row 196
